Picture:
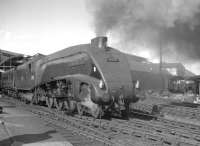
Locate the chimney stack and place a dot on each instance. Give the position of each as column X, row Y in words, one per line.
column 99, row 42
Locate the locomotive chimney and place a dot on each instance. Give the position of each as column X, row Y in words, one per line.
column 99, row 42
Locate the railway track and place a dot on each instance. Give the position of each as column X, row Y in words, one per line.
column 73, row 137
column 75, row 132
column 169, row 107
column 172, row 128
column 193, row 113
column 109, row 132
column 160, row 120
column 157, row 128
column 122, row 132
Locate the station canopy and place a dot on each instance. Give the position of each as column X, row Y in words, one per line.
column 9, row 59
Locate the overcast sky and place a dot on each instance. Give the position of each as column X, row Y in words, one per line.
column 44, row 26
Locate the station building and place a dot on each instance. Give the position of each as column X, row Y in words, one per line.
column 152, row 75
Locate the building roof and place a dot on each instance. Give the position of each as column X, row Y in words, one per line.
column 9, row 59
column 142, row 64
column 136, row 58
column 6, row 54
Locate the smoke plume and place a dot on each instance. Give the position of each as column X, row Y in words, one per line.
column 172, row 24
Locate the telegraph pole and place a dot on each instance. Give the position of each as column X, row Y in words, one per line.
column 0, row 72
column 161, row 61
column 160, row 49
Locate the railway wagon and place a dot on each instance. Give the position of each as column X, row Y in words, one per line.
column 90, row 78
column 184, row 85
column 7, row 80
column 20, row 79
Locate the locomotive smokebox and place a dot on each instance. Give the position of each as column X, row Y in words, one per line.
column 99, row 42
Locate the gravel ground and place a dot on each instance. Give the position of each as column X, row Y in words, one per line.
column 18, row 127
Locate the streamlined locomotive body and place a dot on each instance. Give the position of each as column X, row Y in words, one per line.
column 91, row 78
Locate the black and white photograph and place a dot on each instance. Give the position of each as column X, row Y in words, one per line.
column 99, row 72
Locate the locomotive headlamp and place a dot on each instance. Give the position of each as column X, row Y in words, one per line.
column 94, row 69
column 101, row 84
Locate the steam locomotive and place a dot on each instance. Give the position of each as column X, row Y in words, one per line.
column 89, row 78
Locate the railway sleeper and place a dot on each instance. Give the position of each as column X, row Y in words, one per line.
column 180, row 140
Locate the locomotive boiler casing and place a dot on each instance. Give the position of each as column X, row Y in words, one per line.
column 111, row 67
column 115, row 71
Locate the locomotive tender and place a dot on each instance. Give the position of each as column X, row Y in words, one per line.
column 90, row 78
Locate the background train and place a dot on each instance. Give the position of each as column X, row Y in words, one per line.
column 91, row 78
column 183, row 85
